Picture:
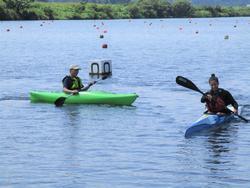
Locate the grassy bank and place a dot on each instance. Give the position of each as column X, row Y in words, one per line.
column 29, row 10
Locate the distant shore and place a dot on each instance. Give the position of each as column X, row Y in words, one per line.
column 28, row 10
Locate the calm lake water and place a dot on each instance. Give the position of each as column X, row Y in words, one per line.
column 138, row 146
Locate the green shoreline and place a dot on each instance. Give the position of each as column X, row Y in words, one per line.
column 28, row 10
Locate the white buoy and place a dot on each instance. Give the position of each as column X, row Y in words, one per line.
column 100, row 67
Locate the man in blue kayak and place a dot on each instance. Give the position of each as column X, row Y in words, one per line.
column 72, row 84
column 217, row 99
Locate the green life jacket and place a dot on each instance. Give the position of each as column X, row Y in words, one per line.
column 74, row 83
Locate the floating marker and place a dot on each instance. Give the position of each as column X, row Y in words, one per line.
column 101, row 36
column 8, row 30
column 104, row 46
column 197, row 32
column 226, row 37
column 100, row 67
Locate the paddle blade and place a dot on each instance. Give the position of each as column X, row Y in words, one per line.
column 187, row 84
column 60, row 101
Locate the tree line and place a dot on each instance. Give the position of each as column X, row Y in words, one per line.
column 32, row 10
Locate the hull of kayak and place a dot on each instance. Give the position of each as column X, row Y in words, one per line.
column 208, row 122
column 88, row 97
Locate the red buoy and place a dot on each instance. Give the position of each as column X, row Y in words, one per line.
column 104, row 46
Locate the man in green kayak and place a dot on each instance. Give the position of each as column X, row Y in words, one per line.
column 217, row 99
column 72, row 84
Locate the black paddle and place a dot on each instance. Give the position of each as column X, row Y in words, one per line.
column 60, row 101
column 190, row 85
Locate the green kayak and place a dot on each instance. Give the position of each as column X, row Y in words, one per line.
column 86, row 97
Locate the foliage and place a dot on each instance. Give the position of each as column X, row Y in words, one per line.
column 28, row 9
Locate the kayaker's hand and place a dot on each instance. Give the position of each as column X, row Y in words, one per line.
column 75, row 92
column 209, row 97
column 235, row 111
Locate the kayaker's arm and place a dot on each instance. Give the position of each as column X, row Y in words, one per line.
column 70, row 91
column 232, row 101
column 88, row 86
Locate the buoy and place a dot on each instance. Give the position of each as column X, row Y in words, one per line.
column 102, row 23
column 21, row 27
column 105, row 31
column 104, row 46
column 97, row 28
column 101, row 36
column 41, row 25
column 94, row 25
column 180, row 28
column 8, row 30
column 235, row 26
column 190, row 21
column 226, row 37
column 197, row 32
column 150, row 23
column 210, row 24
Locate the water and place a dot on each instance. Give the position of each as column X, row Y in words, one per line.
column 138, row 146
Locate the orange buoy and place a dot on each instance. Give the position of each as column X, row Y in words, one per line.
column 104, row 46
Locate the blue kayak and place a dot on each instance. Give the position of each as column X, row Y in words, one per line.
column 208, row 122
